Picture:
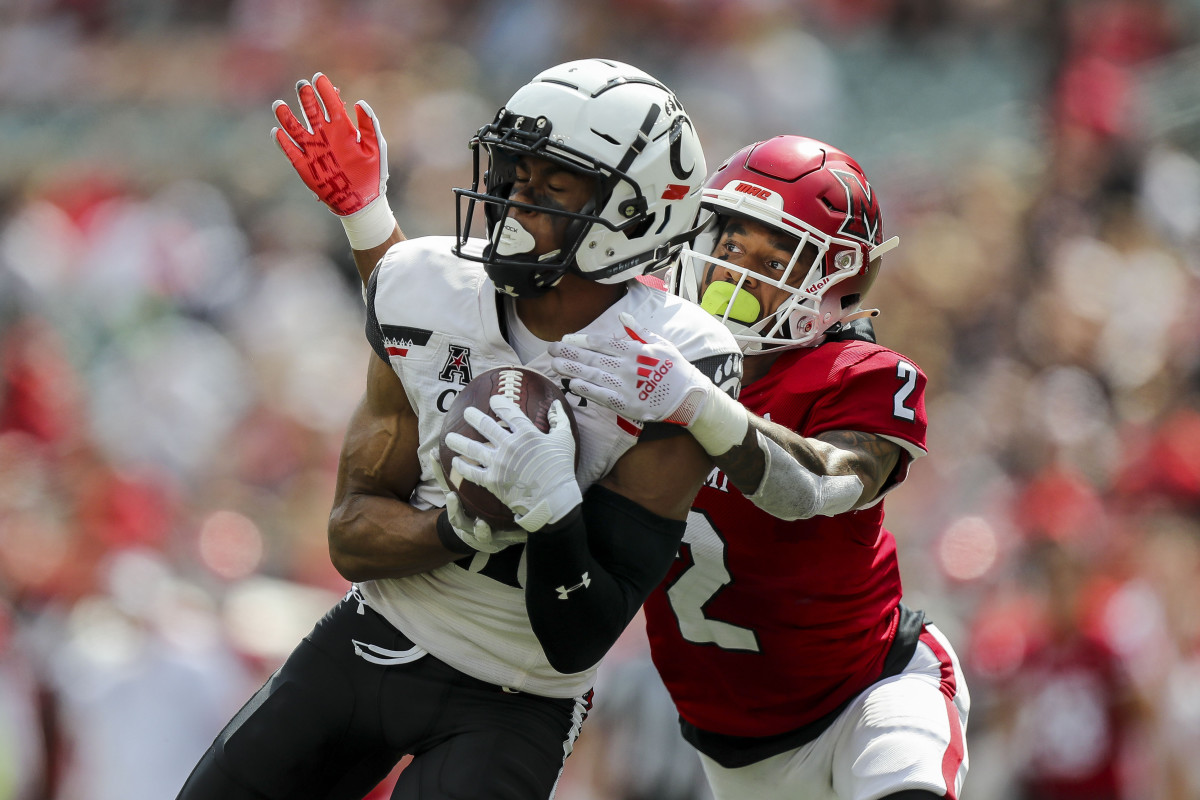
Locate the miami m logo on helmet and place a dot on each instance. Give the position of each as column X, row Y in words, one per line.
column 863, row 218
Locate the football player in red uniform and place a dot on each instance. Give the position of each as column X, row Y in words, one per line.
column 780, row 631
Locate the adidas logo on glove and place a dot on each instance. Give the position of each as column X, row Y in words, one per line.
column 650, row 371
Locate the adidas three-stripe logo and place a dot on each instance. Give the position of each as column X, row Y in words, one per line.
column 645, row 370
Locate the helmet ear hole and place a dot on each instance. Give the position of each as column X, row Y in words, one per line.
column 850, row 300
column 641, row 228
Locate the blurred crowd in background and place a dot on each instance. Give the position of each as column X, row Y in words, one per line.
column 181, row 346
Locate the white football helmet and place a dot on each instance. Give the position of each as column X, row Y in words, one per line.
column 814, row 193
column 600, row 118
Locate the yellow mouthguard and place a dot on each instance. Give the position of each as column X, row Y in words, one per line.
column 743, row 307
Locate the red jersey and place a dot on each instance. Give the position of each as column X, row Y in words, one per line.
column 763, row 626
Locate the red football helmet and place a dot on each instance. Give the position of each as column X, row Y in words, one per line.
column 813, row 192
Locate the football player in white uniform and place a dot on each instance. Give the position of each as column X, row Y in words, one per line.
column 471, row 649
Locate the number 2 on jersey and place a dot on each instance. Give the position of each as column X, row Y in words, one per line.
column 699, row 583
column 907, row 373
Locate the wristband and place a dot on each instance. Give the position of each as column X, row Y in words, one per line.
column 371, row 225
column 721, row 424
column 449, row 538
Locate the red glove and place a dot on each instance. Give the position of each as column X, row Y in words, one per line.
column 344, row 165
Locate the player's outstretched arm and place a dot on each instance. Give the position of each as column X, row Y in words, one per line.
column 784, row 473
column 373, row 531
column 794, row 477
column 344, row 163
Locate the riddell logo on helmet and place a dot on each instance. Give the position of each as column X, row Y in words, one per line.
column 650, row 372
column 754, row 191
column 818, row 286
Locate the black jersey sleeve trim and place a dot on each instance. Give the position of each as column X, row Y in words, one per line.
column 588, row 578
column 724, row 369
column 374, row 332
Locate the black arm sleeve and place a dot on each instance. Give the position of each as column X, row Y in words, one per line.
column 588, row 577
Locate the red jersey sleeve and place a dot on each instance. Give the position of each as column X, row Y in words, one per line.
column 882, row 393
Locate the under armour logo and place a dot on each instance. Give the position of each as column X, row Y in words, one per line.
column 564, row 592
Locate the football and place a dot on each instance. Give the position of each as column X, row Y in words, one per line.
column 533, row 393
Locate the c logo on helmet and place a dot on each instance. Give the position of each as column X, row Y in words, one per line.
column 863, row 218
column 676, row 140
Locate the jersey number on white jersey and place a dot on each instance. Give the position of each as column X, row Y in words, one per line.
column 699, row 583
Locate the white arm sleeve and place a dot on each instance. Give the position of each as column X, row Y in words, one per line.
column 790, row 491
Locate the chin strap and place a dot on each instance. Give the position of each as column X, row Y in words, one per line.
column 864, row 312
column 651, row 258
column 884, row 247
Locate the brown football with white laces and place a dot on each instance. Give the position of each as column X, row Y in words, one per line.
column 533, row 393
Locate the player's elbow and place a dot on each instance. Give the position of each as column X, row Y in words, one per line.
column 572, row 642
column 349, row 564
column 571, row 659
column 349, row 568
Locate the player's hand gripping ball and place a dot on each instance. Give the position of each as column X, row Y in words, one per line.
column 533, row 393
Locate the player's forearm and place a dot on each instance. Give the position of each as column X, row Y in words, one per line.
column 587, row 578
column 365, row 260
column 790, row 476
column 372, row 537
column 745, row 463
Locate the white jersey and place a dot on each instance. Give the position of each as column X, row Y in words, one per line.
column 441, row 326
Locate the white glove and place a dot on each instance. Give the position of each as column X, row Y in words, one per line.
column 531, row 472
column 344, row 163
column 476, row 533
column 644, row 377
